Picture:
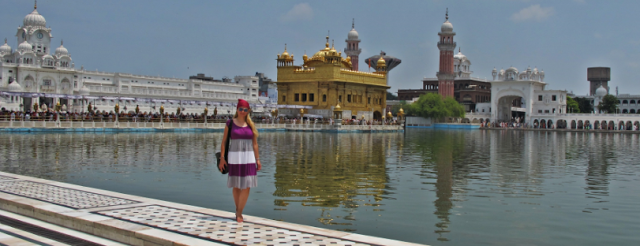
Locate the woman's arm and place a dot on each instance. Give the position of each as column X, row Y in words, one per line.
column 256, row 152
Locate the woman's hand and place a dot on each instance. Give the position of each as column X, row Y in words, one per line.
column 259, row 164
column 223, row 165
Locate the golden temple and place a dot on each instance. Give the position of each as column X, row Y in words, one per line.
column 327, row 79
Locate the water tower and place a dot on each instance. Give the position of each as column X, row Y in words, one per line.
column 598, row 76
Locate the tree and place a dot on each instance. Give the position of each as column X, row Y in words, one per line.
column 391, row 96
column 454, row 109
column 431, row 105
column 608, row 104
column 572, row 106
column 584, row 104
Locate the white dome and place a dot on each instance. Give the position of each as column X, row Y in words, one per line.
column 34, row 19
column 460, row 56
column 61, row 50
column 15, row 87
column 353, row 34
column 84, row 91
column 5, row 48
column 601, row 91
column 24, row 46
column 447, row 27
column 512, row 69
column 47, row 56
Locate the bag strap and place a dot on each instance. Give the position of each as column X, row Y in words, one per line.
column 226, row 148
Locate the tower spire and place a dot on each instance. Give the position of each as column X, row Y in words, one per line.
column 353, row 23
column 446, row 16
column 35, row 5
column 61, row 42
column 327, row 44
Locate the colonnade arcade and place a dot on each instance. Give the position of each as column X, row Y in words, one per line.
column 600, row 122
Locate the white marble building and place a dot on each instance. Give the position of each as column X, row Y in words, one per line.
column 546, row 108
column 30, row 74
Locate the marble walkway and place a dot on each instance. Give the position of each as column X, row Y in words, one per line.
column 134, row 220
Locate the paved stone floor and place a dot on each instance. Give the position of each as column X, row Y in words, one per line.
column 218, row 228
column 60, row 195
column 165, row 219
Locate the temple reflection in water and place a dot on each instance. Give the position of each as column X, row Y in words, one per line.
column 334, row 171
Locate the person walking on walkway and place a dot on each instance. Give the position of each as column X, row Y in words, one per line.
column 243, row 158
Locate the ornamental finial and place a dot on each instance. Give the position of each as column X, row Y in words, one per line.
column 35, row 5
column 446, row 16
column 5, row 40
column 327, row 44
column 353, row 23
column 61, row 42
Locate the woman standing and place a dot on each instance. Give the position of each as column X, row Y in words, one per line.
column 243, row 157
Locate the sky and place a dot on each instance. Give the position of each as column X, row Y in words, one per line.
column 229, row 38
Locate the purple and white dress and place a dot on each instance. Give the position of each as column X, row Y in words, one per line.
column 241, row 160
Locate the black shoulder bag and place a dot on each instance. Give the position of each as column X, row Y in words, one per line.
column 226, row 151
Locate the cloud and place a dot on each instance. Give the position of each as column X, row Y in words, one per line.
column 533, row 12
column 301, row 11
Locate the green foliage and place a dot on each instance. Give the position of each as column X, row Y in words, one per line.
column 572, row 106
column 454, row 109
column 391, row 96
column 431, row 105
column 403, row 105
column 584, row 104
column 608, row 104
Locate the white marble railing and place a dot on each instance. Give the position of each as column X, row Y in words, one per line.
column 183, row 125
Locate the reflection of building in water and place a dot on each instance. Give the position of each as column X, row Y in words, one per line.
column 444, row 188
column 54, row 156
column 330, row 171
column 597, row 172
column 446, row 163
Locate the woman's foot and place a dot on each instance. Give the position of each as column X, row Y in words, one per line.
column 239, row 218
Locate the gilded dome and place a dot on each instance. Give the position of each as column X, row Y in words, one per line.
column 381, row 62
column 323, row 52
column 34, row 19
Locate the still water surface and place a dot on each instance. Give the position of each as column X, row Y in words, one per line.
column 438, row 187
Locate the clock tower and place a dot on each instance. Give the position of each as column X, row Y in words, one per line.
column 446, row 46
column 35, row 32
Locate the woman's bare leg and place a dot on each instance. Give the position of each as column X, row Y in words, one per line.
column 242, row 201
column 236, row 199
